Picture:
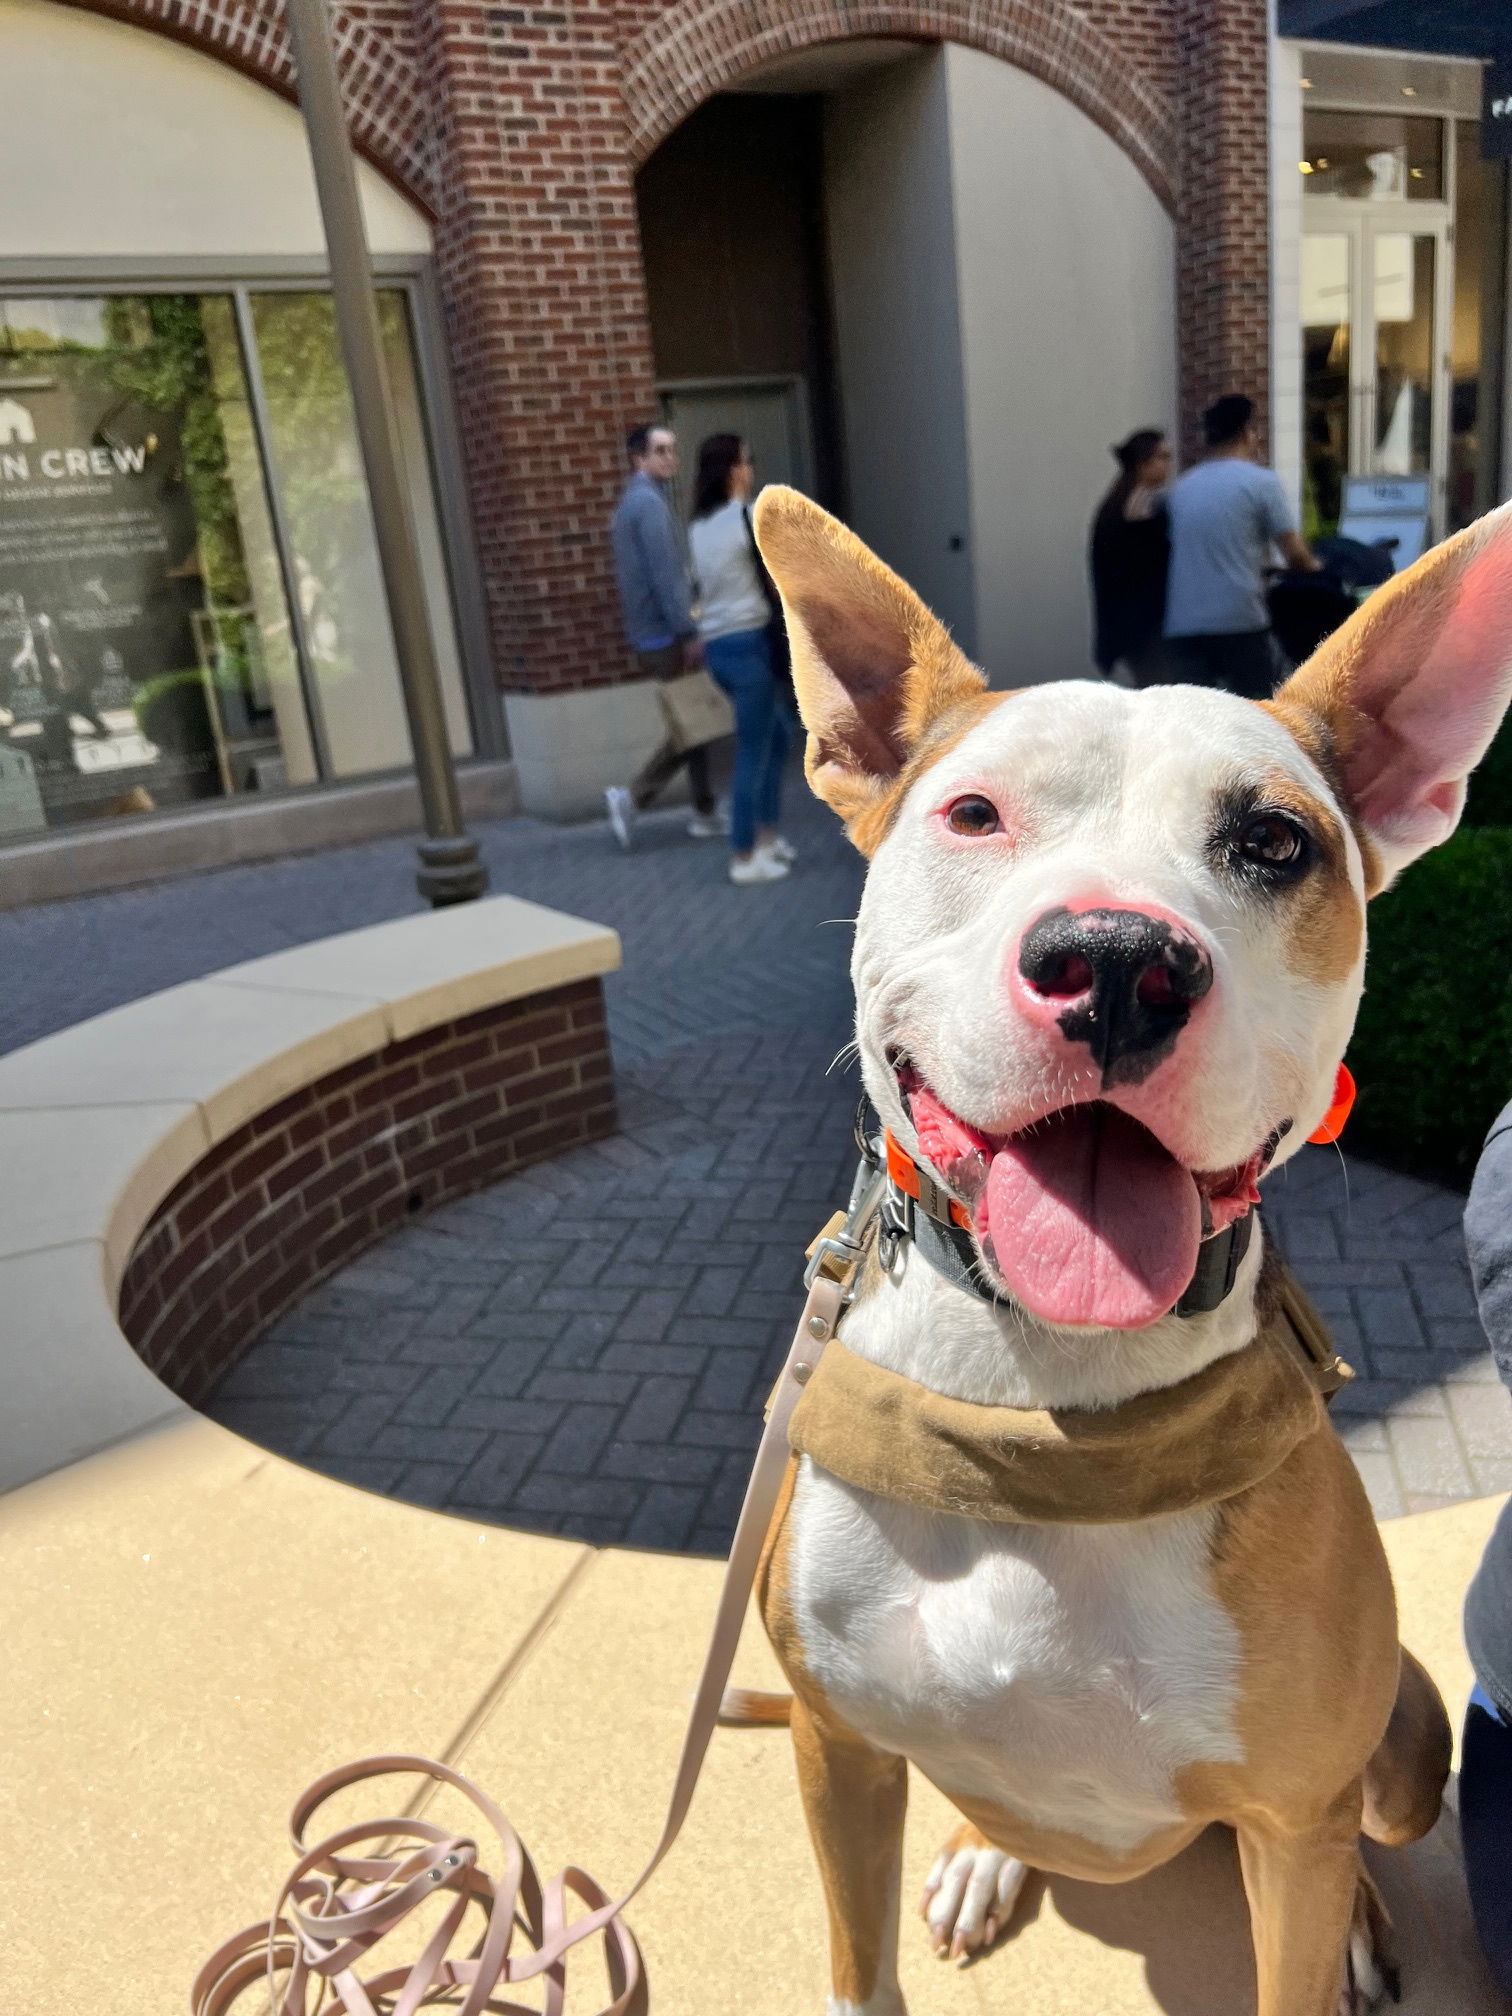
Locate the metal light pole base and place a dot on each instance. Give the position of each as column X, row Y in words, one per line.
column 450, row 871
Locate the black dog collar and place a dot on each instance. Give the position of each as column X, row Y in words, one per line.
column 924, row 1216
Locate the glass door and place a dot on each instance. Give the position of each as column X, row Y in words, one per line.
column 1375, row 351
column 1407, row 366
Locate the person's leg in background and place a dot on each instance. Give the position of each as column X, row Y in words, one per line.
column 783, row 733
column 705, row 823
column 1149, row 665
column 742, row 667
column 1190, row 661
column 1485, row 1803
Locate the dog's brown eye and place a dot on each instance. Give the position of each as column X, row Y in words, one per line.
column 1272, row 841
column 972, row 815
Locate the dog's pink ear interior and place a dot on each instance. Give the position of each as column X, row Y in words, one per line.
column 873, row 670
column 1411, row 690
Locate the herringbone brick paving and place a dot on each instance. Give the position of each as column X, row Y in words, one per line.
column 585, row 1348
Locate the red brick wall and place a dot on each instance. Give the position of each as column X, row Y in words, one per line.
column 539, row 263
column 692, row 48
column 304, row 1187
column 1223, row 214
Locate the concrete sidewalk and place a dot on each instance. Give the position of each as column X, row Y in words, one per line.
column 195, row 1630
column 584, row 1350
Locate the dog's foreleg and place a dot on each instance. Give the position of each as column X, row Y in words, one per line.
column 1301, row 1887
column 854, row 1798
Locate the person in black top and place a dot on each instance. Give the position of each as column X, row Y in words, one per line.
column 1129, row 553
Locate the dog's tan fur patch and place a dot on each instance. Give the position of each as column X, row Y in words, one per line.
column 1314, row 734
column 942, row 736
column 873, row 670
column 853, row 1794
column 1325, row 917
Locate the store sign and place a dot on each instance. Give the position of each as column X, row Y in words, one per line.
column 1496, row 111
column 1390, row 511
column 97, row 565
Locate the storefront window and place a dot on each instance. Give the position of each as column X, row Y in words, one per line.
column 318, row 468
column 155, row 528
column 1375, row 157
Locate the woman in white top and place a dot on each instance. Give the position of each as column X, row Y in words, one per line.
column 735, row 617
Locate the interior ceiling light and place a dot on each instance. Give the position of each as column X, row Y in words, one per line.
column 1409, row 91
column 1306, row 167
column 1306, row 83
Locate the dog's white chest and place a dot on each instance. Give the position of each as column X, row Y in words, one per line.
column 1064, row 1673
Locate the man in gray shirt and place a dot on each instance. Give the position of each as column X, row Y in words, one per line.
column 656, row 600
column 1225, row 515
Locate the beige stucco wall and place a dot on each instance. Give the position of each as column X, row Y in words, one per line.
column 1004, row 289
column 118, row 142
column 888, row 205
column 1067, row 293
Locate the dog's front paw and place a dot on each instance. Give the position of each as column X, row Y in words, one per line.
column 970, row 1895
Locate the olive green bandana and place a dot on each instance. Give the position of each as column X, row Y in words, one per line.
column 1198, row 1442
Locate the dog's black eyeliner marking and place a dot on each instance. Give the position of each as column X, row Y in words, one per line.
column 1237, row 813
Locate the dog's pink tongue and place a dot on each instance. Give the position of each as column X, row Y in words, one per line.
column 1091, row 1221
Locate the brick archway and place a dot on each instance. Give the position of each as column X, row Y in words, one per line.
column 379, row 74
column 694, row 48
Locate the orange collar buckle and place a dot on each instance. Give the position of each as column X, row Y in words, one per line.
column 906, row 1175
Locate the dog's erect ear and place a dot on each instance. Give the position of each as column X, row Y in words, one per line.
column 1402, row 702
column 872, row 668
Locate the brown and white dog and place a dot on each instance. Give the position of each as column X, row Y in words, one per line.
column 1091, row 1696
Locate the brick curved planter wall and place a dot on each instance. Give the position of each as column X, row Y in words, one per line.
column 308, row 1184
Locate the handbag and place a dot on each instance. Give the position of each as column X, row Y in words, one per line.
column 695, row 709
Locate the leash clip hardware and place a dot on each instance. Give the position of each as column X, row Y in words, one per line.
column 897, row 1225
column 838, row 1254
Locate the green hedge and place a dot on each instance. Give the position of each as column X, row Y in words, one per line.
column 1432, row 1050
column 1490, row 799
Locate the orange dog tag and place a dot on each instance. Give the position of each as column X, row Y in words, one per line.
column 1331, row 1126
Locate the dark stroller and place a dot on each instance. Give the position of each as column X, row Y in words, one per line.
column 1306, row 608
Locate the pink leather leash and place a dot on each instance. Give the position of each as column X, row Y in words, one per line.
column 335, row 1906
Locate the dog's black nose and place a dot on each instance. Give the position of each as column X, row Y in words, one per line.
column 1121, row 981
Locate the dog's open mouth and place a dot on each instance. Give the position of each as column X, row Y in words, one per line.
column 1085, row 1216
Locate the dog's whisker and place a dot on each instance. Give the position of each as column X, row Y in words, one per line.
column 1348, row 1195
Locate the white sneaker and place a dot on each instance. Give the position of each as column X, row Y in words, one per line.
column 709, row 825
column 760, row 868
column 621, row 814
column 780, row 849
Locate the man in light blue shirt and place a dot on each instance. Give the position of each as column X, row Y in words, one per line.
column 1225, row 516
column 656, row 601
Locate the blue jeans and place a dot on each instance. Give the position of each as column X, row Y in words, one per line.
column 764, row 728
column 1485, row 1797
